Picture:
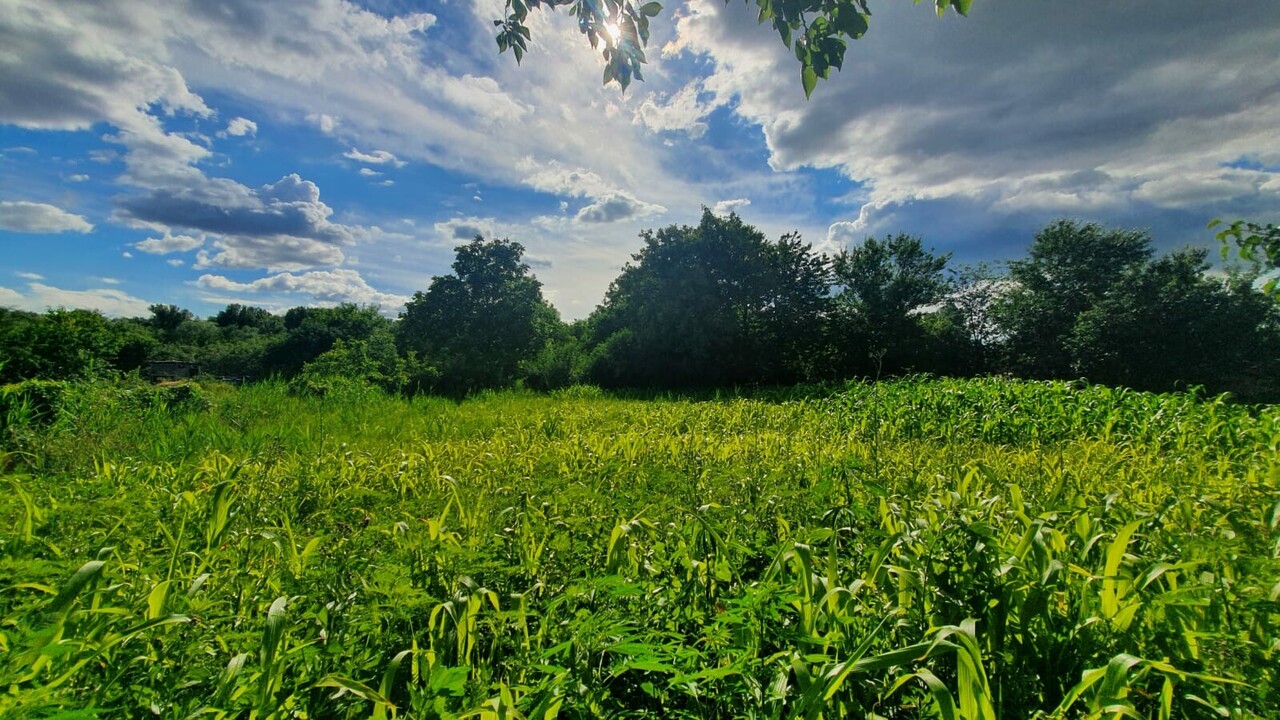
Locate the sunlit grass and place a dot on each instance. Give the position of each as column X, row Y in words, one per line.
column 909, row 549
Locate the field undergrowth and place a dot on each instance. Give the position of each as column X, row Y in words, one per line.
column 909, row 549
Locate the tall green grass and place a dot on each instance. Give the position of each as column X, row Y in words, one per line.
column 954, row 549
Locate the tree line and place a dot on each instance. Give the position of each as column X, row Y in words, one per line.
column 719, row 304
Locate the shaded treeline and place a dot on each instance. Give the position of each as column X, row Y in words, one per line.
column 719, row 304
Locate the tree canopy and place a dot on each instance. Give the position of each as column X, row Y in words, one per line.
column 817, row 31
column 882, row 289
column 1070, row 268
column 1256, row 243
column 478, row 324
column 718, row 304
column 714, row 304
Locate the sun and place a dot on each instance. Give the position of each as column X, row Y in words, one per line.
column 613, row 31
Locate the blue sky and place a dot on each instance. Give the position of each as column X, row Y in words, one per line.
column 321, row 151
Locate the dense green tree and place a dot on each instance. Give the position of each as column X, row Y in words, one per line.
column 165, row 319
column 247, row 316
column 817, row 30
column 1069, row 269
column 313, row 331
column 884, row 290
column 480, row 323
column 711, row 305
column 560, row 362
column 352, row 365
column 1169, row 326
column 68, row 344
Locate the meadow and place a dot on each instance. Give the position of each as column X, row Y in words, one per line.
column 909, row 549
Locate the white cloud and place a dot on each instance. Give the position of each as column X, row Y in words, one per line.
column 1020, row 108
column 108, row 280
column 109, row 74
column 680, row 112
column 615, row 207
column 369, row 173
column 30, row 217
column 169, row 243
column 175, row 262
column 455, row 102
column 78, row 178
column 40, row 297
column 554, row 177
column 608, row 203
column 463, row 229
column 377, row 157
column 281, row 226
column 326, row 123
column 239, row 127
column 724, row 207
column 321, row 287
column 29, row 276
column 845, row 233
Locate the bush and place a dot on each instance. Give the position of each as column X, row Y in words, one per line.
column 331, row 386
column 32, row 402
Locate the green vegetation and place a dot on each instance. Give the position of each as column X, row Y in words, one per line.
column 719, row 305
column 818, row 31
column 1257, row 244
column 917, row 548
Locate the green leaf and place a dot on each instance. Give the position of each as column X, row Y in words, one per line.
column 650, row 9
column 942, row 699
column 156, row 599
column 355, row 687
column 67, row 593
column 809, row 78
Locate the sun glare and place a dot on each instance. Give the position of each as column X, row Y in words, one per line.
column 614, row 32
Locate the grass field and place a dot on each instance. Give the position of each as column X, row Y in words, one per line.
column 917, row 548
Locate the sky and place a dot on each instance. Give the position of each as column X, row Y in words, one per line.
column 313, row 152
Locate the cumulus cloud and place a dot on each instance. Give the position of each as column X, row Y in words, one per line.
column 29, row 275
column 845, row 232
column 31, row 217
column 554, row 177
column 465, row 228
column 724, row 207
column 283, row 225
column 78, row 178
column 40, row 297
column 382, row 84
column 109, row 74
column 1021, row 107
column 377, row 157
column 320, row 287
column 73, row 66
column 680, row 112
column 169, row 243
column 367, row 172
column 239, row 127
column 608, row 202
column 617, row 206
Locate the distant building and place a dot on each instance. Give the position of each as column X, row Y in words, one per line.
column 158, row 370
